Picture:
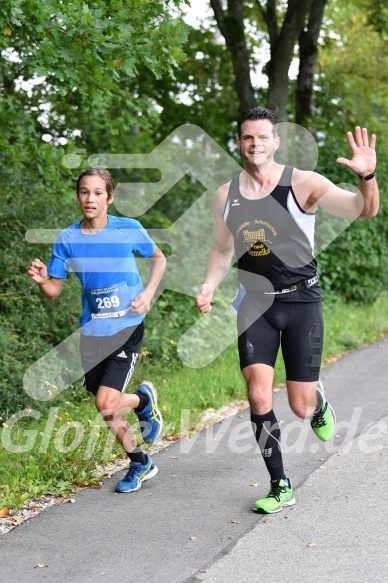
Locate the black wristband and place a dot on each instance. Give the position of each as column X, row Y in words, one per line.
column 367, row 177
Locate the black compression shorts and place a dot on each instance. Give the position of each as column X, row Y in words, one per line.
column 110, row 360
column 296, row 327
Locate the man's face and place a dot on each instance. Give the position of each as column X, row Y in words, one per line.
column 257, row 143
column 93, row 197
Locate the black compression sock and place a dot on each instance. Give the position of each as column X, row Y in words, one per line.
column 286, row 481
column 143, row 401
column 137, row 456
column 267, row 432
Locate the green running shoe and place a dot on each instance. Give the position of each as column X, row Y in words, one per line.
column 323, row 422
column 279, row 495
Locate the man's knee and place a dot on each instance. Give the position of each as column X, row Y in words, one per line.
column 259, row 388
column 302, row 411
column 302, row 397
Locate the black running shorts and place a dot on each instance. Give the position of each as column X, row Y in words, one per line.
column 109, row 361
column 296, row 327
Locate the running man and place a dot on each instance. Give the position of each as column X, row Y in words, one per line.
column 100, row 250
column 266, row 216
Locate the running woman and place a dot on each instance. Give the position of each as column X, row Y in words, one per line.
column 100, row 250
column 266, row 216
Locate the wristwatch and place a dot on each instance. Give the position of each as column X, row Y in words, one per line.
column 367, row 177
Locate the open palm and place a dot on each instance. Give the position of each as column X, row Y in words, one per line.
column 363, row 160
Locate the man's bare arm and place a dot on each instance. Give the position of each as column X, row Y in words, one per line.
column 220, row 256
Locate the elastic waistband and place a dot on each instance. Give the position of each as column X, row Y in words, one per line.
column 305, row 284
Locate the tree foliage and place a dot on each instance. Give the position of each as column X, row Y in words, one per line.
column 69, row 85
column 60, row 60
column 352, row 90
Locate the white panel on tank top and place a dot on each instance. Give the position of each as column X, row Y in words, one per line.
column 306, row 221
column 227, row 209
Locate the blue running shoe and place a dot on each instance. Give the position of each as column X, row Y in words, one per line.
column 151, row 422
column 136, row 475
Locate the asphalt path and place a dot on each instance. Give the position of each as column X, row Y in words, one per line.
column 194, row 522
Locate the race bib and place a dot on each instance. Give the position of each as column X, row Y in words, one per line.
column 110, row 302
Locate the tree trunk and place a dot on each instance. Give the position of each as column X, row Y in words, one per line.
column 308, row 55
column 282, row 46
column 231, row 25
column 282, row 42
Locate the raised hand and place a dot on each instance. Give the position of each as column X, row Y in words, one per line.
column 363, row 160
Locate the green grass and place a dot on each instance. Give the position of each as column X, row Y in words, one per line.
column 61, row 444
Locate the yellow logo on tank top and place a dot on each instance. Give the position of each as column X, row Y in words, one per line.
column 254, row 235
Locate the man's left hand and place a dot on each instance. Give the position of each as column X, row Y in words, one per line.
column 363, row 160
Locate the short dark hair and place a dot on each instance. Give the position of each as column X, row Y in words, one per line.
column 256, row 113
column 104, row 174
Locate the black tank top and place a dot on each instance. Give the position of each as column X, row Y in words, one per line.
column 273, row 238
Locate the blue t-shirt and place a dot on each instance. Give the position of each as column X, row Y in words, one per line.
column 105, row 264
